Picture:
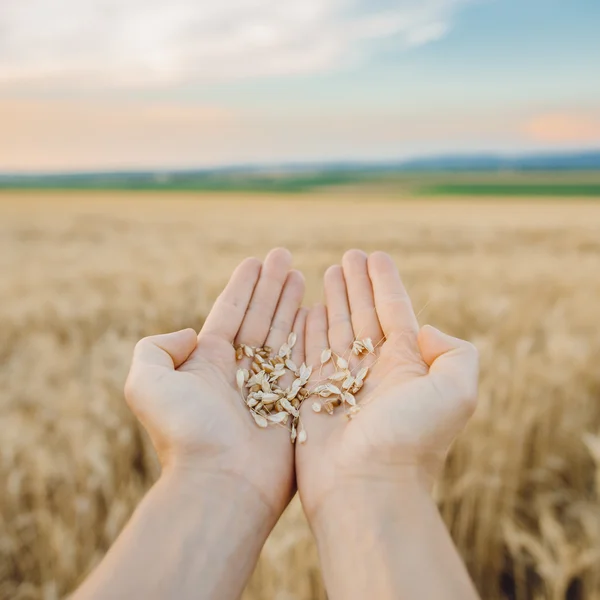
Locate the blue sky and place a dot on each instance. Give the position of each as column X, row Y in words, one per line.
column 121, row 85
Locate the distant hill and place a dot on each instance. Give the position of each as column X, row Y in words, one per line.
column 304, row 177
column 574, row 161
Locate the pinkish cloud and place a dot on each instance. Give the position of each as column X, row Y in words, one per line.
column 564, row 128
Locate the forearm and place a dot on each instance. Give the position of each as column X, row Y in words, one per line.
column 187, row 539
column 388, row 542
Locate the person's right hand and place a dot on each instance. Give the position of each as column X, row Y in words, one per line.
column 419, row 393
column 183, row 389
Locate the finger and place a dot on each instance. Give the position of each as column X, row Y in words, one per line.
column 394, row 309
column 316, row 335
column 169, row 350
column 341, row 334
column 287, row 308
column 453, row 362
column 228, row 312
column 258, row 317
column 360, row 296
column 152, row 357
column 299, row 349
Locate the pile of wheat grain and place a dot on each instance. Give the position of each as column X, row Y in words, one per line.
column 271, row 404
column 84, row 277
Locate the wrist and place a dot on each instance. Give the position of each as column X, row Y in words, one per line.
column 227, row 492
column 393, row 533
column 194, row 535
column 357, row 491
column 372, row 524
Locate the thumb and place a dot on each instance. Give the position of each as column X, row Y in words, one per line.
column 452, row 362
column 169, row 350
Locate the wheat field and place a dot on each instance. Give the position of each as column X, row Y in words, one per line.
column 84, row 275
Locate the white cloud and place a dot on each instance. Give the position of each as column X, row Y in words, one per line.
column 160, row 41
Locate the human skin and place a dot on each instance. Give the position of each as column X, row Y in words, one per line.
column 224, row 481
column 365, row 483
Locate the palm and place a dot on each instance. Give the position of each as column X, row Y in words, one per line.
column 212, row 425
column 193, row 408
column 394, row 426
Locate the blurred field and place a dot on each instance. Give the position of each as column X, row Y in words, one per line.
column 446, row 179
column 84, row 275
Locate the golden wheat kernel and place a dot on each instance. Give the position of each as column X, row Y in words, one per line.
column 342, row 363
column 260, row 420
column 328, row 406
column 304, row 373
column 357, row 347
column 325, row 355
column 292, row 339
column 270, row 398
column 362, row 373
column 316, row 406
column 248, row 351
column 302, row 436
column 349, row 398
column 368, row 344
column 281, row 417
column 337, row 376
column 348, row 382
column 284, row 351
column 268, row 368
column 291, row 365
column 239, row 378
column 288, row 407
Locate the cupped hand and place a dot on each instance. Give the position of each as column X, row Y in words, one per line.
column 183, row 389
column 419, row 392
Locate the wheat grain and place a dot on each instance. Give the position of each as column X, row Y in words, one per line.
column 350, row 384
column 266, row 400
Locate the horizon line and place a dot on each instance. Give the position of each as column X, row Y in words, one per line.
column 417, row 160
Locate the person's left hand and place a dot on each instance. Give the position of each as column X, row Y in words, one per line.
column 419, row 393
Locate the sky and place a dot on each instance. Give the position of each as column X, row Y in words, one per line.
column 107, row 84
